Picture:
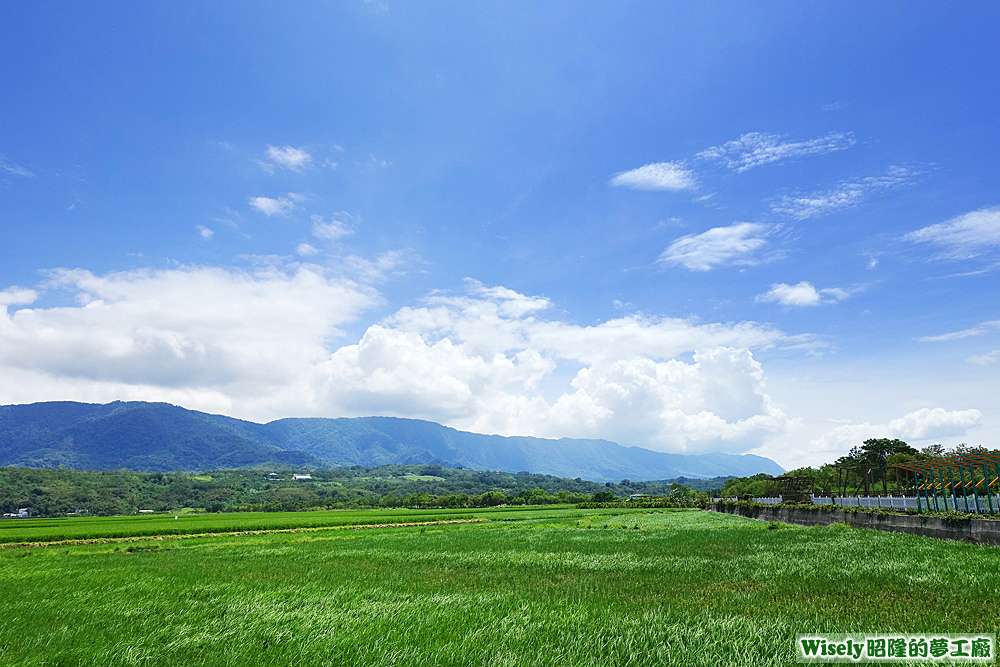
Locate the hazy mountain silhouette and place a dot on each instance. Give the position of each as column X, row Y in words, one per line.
column 160, row 436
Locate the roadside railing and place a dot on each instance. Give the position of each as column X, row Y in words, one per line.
column 971, row 504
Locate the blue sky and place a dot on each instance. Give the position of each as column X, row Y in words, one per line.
column 768, row 227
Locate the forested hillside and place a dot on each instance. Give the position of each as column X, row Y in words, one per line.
column 164, row 437
column 48, row 492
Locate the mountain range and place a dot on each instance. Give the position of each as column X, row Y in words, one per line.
column 164, row 437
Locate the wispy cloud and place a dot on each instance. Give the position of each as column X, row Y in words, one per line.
column 739, row 243
column 802, row 294
column 657, row 176
column 287, row 157
column 977, row 330
column 963, row 237
column 281, row 206
column 376, row 163
column 16, row 169
column 845, row 195
column 375, row 270
column 984, row 359
column 334, row 229
column 205, row 232
column 755, row 149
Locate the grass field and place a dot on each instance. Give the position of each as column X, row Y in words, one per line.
column 87, row 528
column 531, row 587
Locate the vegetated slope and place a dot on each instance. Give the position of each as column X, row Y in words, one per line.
column 140, row 436
column 160, row 436
column 381, row 440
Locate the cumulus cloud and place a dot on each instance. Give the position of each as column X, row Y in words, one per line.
column 490, row 347
column 17, row 296
column 287, row 157
column 802, row 294
column 475, row 358
column 269, row 343
column 739, row 243
column 191, row 328
column 755, row 149
column 845, row 195
column 963, row 237
column 306, row 250
column 281, row 206
column 657, row 176
column 920, row 425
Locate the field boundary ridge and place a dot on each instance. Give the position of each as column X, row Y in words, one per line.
column 188, row 536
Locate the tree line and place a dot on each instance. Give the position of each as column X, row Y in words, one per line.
column 58, row 492
column 867, row 466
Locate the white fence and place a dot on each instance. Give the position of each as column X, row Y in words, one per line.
column 898, row 502
column 890, row 502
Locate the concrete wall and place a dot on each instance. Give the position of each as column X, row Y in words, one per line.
column 979, row 531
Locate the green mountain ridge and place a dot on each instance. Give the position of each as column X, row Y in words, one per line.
column 164, row 437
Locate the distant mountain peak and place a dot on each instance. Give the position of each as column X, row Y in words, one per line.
column 161, row 436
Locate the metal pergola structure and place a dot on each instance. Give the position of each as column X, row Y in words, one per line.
column 866, row 477
column 786, row 486
column 936, row 478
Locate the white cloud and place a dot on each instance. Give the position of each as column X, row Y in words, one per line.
column 740, row 243
column 657, row 176
column 193, row 327
column 306, row 250
column 920, row 425
column 374, row 270
column 984, row 359
column 17, row 296
column 472, row 361
column 258, row 344
column 15, row 169
column 334, row 229
column 376, row 163
column 802, row 294
column 977, row 330
column 492, row 320
column 205, row 232
column 295, row 159
column 963, row 237
column 757, row 148
column 281, row 206
column 845, row 195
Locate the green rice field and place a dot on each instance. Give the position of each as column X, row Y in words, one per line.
column 89, row 528
column 532, row 586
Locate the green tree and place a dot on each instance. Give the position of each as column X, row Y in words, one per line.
column 933, row 450
column 875, row 451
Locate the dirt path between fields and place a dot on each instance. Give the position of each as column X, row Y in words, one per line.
column 157, row 538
